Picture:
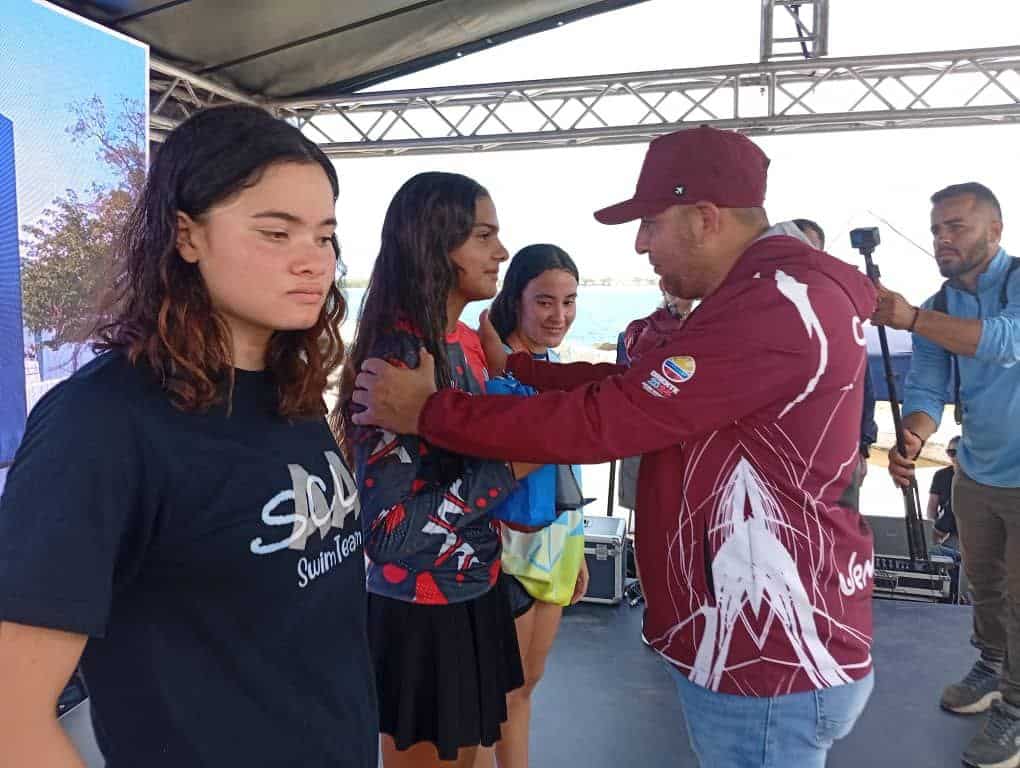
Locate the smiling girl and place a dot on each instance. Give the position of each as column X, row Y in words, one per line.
column 532, row 313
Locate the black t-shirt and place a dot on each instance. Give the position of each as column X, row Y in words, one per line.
column 942, row 487
column 215, row 562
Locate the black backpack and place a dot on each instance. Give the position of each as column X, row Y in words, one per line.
column 941, row 304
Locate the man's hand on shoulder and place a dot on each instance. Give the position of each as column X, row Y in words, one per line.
column 392, row 397
column 492, row 345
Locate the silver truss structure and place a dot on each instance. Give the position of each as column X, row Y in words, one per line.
column 942, row 88
column 174, row 93
column 811, row 29
column 966, row 87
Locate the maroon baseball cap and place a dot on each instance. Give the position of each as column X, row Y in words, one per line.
column 696, row 165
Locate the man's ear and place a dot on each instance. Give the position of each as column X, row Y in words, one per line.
column 709, row 218
column 995, row 231
column 187, row 235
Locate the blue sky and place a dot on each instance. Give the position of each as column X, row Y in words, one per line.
column 48, row 61
column 842, row 180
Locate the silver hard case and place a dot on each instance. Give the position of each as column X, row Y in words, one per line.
column 606, row 554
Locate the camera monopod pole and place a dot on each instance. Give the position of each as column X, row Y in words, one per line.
column 911, row 499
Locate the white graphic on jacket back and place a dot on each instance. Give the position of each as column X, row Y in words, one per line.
column 796, row 292
column 771, row 574
column 304, row 509
column 858, row 331
column 753, row 569
column 857, row 575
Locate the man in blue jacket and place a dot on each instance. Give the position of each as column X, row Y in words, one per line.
column 967, row 336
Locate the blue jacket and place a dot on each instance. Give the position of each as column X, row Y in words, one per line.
column 989, row 381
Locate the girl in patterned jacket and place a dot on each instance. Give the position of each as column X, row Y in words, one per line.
column 440, row 621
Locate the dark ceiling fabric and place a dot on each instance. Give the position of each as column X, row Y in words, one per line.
column 280, row 50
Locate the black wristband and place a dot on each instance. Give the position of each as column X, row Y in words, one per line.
column 923, row 441
column 913, row 322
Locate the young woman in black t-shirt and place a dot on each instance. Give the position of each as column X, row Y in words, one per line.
column 178, row 515
column 440, row 620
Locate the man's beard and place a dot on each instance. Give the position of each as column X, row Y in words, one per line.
column 968, row 260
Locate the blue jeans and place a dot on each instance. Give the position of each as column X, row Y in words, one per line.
column 797, row 729
column 944, row 551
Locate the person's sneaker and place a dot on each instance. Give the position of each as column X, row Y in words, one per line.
column 998, row 744
column 975, row 693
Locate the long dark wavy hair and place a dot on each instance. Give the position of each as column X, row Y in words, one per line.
column 160, row 312
column 431, row 215
column 527, row 264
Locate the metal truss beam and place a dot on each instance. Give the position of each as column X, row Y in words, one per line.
column 175, row 93
column 810, row 38
column 943, row 88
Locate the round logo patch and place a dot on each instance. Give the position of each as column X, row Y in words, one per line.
column 678, row 369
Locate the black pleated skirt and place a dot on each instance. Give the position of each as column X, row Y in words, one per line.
column 443, row 671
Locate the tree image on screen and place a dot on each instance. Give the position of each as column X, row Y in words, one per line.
column 67, row 251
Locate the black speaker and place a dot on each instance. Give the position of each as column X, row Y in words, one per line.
column 891, row 534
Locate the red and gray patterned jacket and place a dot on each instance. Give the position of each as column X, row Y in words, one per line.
column 756, row 565
column 428, row 535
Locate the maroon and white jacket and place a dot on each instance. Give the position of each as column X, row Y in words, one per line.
column 755, row 563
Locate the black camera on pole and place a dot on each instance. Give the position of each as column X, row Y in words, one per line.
column 865, row 239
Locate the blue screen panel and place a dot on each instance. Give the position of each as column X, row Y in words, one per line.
column 12, row 351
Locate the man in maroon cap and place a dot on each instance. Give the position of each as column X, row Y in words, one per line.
column 756, row 565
